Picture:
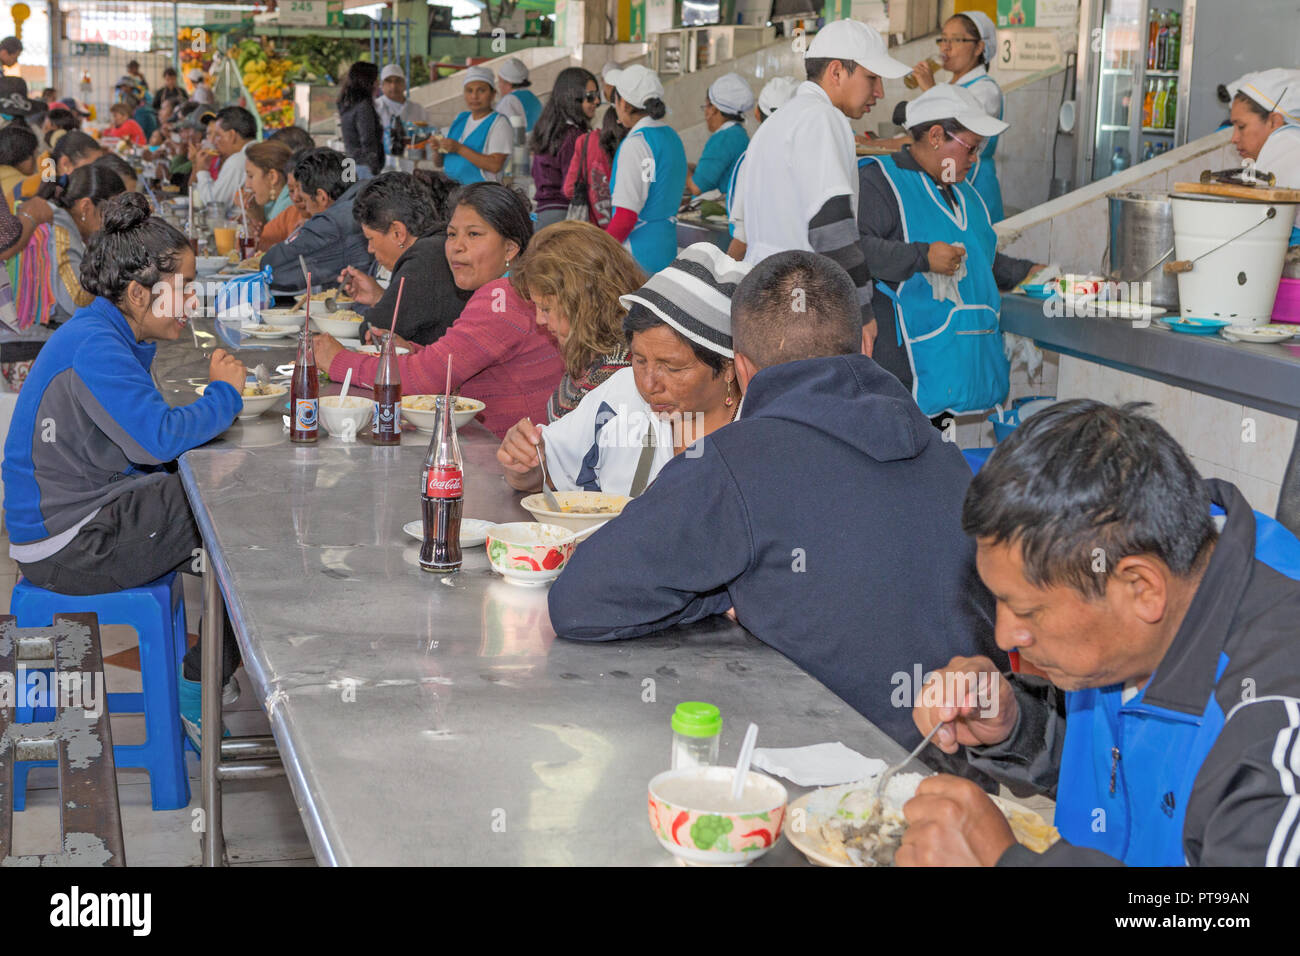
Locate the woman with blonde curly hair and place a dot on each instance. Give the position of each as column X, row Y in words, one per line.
column 574, row 273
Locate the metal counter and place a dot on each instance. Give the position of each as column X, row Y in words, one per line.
column 1266, row 377
column 691, row 231
column 425, row 719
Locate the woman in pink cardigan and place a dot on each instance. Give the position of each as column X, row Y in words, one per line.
column 498, row 354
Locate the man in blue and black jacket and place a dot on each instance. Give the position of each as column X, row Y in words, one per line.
column 1168, row 726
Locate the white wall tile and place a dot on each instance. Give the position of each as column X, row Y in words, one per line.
column 1267, row 456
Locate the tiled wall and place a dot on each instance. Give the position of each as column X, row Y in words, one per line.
column 1215, row 433
column 974, row 431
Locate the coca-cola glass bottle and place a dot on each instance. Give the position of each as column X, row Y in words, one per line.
column 386, row 427
column 304, row 397
column 442, row 493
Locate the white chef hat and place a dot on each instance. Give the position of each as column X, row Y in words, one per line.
column 776, row 93
column 636, row 84
column 1277, row 90
column 946, row 101
column 731, row 94
column 987, row 31
column 477, row 74
column 513, row 71
column 855, row 41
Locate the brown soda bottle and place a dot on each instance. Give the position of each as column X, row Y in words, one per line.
column 304, row 394
column 442, row 494
column 386, row 426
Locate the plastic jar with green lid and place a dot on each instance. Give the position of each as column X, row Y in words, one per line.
column 697, row 729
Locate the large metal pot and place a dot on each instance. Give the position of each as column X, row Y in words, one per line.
column 1141, row 241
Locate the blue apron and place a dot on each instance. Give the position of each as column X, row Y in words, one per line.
column 458, row 167
column 731, row 191
column 983, row 173
column 531, row 104
column 653, row 240
column 955, row 351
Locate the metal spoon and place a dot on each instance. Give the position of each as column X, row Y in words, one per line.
column 552, row 502
column 884, row 777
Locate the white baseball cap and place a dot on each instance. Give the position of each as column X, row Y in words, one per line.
column 513, row 70
column 946, row 101
column 636, row 84
column 731, row 94
column 1277, row 90
column 776, row 93
column 391, row 70
column 855, row 41
column 477, row 74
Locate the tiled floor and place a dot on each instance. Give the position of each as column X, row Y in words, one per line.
column 262, row 825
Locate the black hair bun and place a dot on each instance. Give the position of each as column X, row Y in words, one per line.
column 124, row 212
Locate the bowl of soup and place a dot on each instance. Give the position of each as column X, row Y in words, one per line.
column 579, row 510
column 529, row 554
column 337, row 412
column 257, row 398
column 344, row 324
column 694, row 817
column 421, row 412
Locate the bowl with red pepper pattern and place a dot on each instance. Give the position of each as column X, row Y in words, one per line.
column 696, row 820
column 527, row 553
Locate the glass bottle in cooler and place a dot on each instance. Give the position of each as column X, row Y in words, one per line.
column 1162, row 43
column 1153, row 34
column 386, row 427
column 1148, row 102
column 442, row 493
column 304, row 397
column 1171, row 104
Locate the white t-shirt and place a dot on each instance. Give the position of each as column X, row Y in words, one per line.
column 798, row 158
column 988, row 95
column 606, row 458
column 510, row 105
column 230, row 179
column 500, row 139
column 631, row 188
column 408, row 111
column 1280, row 156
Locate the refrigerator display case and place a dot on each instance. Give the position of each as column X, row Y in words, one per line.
column 1146, row 86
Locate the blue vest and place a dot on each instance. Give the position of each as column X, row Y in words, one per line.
column 719, row 157
column 653, row 240
column 983, row 174
column 458, row 167
column 955, row 350
column 531, row 104
column 1160, row 752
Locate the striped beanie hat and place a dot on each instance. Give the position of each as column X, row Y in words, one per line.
column 693, row 296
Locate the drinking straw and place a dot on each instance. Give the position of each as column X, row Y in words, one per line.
column 191, row 210
column 396, row 303
column 243, row 212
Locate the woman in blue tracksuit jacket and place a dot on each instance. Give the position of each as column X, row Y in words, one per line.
column 1178, row 741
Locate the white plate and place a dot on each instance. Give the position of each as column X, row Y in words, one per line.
column 1259, row 333
column 473, row 531
column 269, row 331
column 374, row 350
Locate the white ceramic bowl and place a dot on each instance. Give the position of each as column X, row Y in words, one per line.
column 334, row 416
column 582, row 505
column 423, row 419
column 254, row 405
column 206, row 265
column 529, row 554
column 285, row 317
column 339, row 328
column 704, row 835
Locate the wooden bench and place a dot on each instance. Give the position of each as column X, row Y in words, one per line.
column 90, row 816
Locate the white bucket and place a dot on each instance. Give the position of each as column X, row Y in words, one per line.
column 1239, row 254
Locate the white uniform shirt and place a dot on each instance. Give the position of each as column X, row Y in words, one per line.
column 408, row 111
column 510, row 105
column 631, row 186
column 575, row 448
column 798, row 158
column 988, row 95
column 230, row 178
column 1280, row 155
column 500, row 139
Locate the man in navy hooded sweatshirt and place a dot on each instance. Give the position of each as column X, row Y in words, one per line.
column 828, row 515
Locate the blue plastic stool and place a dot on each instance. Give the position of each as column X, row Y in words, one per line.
column 157, row 612
column 975, row 457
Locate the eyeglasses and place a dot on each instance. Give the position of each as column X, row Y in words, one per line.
column 973, row 150
column 948, row 41
column 591, row 96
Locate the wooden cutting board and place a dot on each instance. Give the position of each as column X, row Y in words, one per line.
column 1255, row 193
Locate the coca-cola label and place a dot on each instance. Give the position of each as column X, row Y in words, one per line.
column 443, row 483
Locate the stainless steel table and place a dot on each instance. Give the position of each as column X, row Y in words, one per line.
column 424, row 719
